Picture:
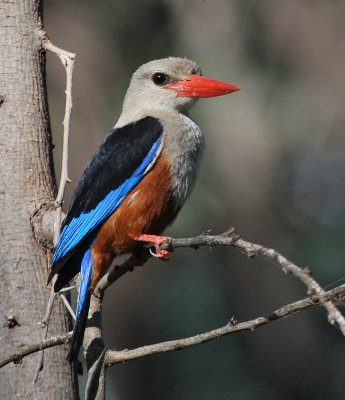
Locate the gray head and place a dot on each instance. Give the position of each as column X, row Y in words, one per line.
column 168, row 85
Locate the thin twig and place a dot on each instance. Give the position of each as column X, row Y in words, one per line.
column 114, row 357
column 67, row 305
column 67, row 289
column 46, row 318
column 67, row 59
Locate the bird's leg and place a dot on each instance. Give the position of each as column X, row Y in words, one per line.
column 156, row 240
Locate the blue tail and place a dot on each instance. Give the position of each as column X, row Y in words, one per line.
column 82, row 307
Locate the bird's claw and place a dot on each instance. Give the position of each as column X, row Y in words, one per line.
column 157, row 241
column 159, row 253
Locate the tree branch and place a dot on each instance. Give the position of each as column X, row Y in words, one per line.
column 24, row 351
column 67, row 59
column 251, row 250
column 114, row 357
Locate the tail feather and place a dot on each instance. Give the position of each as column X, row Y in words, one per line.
column 82, row 307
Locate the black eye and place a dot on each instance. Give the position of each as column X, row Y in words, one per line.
column 159, row 78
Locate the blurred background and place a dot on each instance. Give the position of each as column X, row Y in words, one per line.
column 274, row 168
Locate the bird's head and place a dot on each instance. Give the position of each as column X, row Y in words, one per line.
column 168, row 85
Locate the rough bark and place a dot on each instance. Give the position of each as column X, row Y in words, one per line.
column 26, row 180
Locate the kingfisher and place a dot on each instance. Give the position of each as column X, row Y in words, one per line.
column 137, row 181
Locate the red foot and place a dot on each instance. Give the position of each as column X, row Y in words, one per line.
column 156, row 240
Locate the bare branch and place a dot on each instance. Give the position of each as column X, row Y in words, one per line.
column 67, row 59
column 67, row 305
column 24, row 351
column 114, row 357
column 252, row 250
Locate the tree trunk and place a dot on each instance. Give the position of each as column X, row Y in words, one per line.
column 26, row 180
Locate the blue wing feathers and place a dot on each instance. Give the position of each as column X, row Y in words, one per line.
column 85, row 276
column 85, row 223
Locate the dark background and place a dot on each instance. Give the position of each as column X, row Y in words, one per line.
column 274, row 168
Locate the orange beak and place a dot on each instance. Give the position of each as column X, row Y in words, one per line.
column 200, row 86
